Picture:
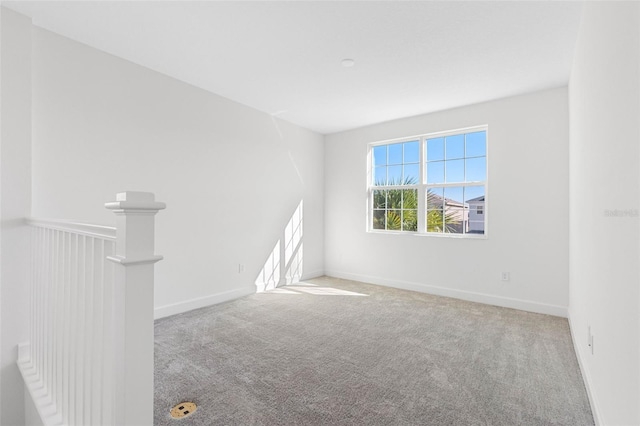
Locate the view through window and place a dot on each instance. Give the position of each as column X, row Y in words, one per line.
column 433, row 184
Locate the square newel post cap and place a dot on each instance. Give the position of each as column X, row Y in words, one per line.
column 135, row 200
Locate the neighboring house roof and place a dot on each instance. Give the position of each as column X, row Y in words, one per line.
column 480, row 198
column 454, row 203
column 436, row 199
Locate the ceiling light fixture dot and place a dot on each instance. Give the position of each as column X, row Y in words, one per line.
column 348, row 63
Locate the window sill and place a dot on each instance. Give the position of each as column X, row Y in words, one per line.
column 434, row 235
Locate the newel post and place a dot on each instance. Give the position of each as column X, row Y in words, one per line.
column 133, row 306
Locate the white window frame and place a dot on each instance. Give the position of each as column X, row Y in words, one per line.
column 422, row 186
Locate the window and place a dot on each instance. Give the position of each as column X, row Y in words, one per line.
column 431, row 184
column 396, row 167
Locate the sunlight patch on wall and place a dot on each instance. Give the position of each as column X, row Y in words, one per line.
column 269, row 276
column 293, row 247
column 284, row 265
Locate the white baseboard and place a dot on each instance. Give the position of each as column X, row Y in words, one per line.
column 506, row 302
column 201, row 302
column 312, row 274
column 585, row 374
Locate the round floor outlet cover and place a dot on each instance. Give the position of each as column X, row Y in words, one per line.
column 183, row 409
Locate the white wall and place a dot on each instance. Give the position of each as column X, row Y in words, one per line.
column 604, row 96
column 15, row 193
column 231, row 176
column 527, row 208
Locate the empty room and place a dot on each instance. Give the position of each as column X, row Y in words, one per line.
column 320, row 213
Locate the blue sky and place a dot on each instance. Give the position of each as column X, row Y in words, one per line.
column 448, row 159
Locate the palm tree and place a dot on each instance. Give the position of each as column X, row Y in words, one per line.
column 401, row 214
column 438, row 218
column 397, row 209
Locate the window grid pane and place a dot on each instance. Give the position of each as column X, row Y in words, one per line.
column 454, row 147
column 456, row 158
column 395, row 209
column 396, row 164
column 380, row 155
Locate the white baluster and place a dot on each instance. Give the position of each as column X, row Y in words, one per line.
column 108, row 397
column 97, row 350
column 53, row 332
column 79, row 342
column 66, row 326
column 73, row 326
column 88, row 344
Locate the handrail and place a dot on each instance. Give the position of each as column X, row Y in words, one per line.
column 97, row 231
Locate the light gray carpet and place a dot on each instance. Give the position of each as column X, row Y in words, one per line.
column 337, row 352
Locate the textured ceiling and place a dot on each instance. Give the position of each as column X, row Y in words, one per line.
column 284, row 57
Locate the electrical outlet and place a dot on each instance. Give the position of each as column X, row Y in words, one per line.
column 504, row 276
column 240, row 268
